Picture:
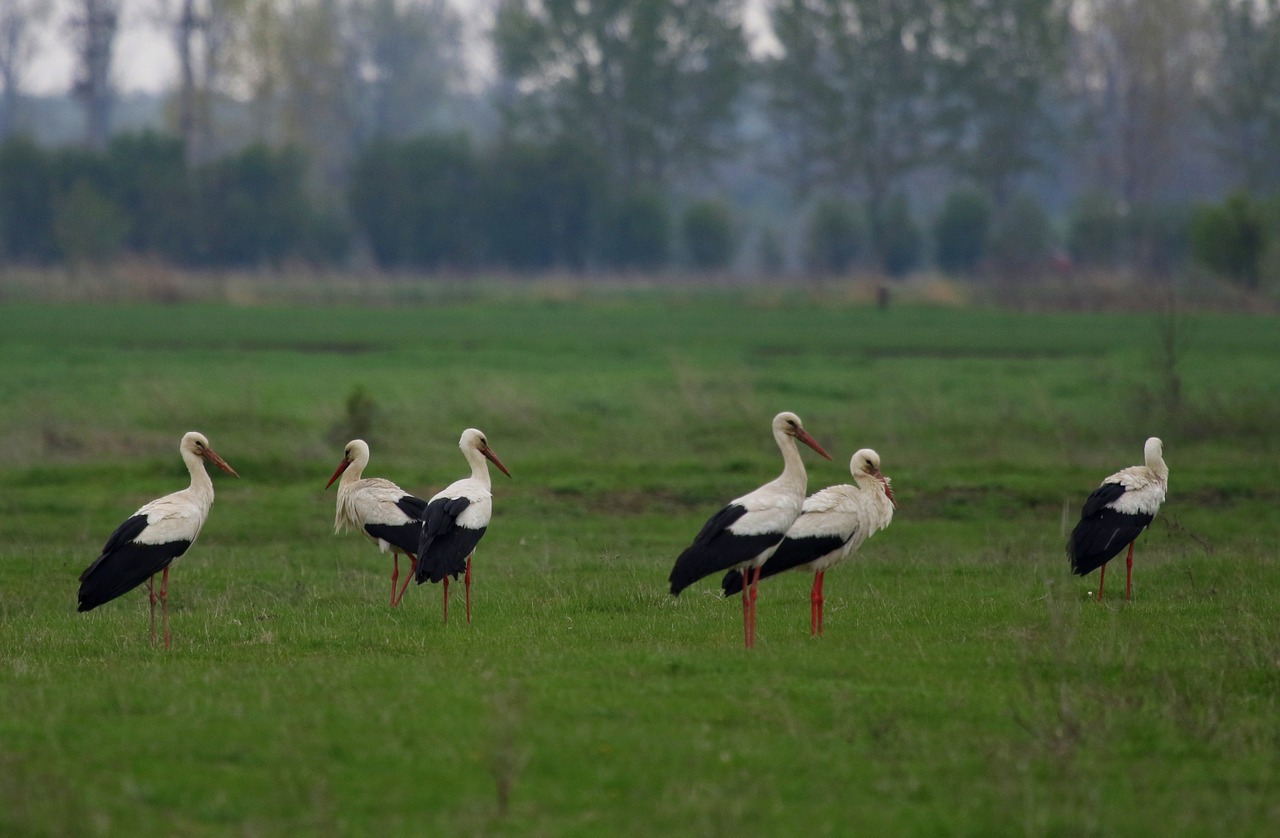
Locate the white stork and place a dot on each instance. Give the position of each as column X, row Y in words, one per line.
column 389, row 515
column 1116, row 513
column 832, row 525
column 744, row 534
column 150, row 539
column 456, row 519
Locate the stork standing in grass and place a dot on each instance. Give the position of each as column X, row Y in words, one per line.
column 1116, row 513
column 151, row 539
column 389, row 515
column 832, row 525
column 743, row 535
column 456, row 518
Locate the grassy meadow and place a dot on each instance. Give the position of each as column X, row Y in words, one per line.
column 966, row 684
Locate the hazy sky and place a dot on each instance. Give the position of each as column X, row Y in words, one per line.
column 144, row 58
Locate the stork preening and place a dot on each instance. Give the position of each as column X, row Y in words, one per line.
column 151, row 539
column 389, row 515
column 456, row 518
column 744, row 534
column 1116, row 513
column 832, row 525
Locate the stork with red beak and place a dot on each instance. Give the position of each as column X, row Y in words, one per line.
column 387, row 514
column 833, row 524
column 151, row 539
column 456, row 518
column 744, row 534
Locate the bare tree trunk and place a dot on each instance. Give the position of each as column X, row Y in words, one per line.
column 187, row 26
column 97, row 31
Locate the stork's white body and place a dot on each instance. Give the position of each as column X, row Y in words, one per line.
column 744, row 534
column 1117, row 512
column 388, row 515
column 833, row 524
column 456, row 519
column 151, row 539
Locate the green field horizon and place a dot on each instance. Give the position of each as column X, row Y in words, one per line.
column 966, row 683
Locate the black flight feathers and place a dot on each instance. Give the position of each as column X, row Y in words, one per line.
column 1103, row 532
column 715, row 549
column 444, row 546
column 124, row 564
column 792, row 552
column 404, row 536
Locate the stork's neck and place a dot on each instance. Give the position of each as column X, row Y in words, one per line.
column 1157, row 467
column 793, row 473
column 354, row 471
column 479, row 467
column 200, row 482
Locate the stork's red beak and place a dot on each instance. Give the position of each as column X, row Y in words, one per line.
column 493, row 458
column 888, row 490
column 212, row 456
column 342, row 466
column 803, row 436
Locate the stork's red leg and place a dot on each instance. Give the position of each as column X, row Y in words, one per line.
column 755, row 581
column 151, row 593
column 413, row 571
column 746, row 607
column 164, row 604
column 816, row 601
column 1102, row 574
column 1128, row 583
column 446, row 599
column 395, row 574
column 467, row 578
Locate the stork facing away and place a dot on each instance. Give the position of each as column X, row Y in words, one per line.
column 1116, row 513
column 832, row 525
column 456, row 518
column 390, row 516
column 151, row 539
column 745, row 533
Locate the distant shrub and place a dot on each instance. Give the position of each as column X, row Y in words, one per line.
column 706, row 231
column 1096, row 231
column 833, row 239
column 1160, row 237
column 1021, row 236
column 961, row 230
column 639, row 235
column 897, row 238
column 88, row 226
column 26, row 203
column 1231, row 238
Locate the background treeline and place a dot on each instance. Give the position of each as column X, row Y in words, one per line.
column 979, row 137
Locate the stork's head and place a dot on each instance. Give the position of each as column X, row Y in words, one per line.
column 357, row 451
column 1153, row 452
column 473, row 439
column 865, row 465
column 788, row 424
column 194, row 442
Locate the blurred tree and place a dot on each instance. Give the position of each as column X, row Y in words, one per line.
column 27, row 188
column 961, row 230
column 201, row 30
column 853, row 94
column 651, row 83
column 1231, row 238
column 542, row 202
column 19, row 20
column 999, row 61
column 1137, row 67
column 1021, row 237
column 333, row 75
column 638, row 235
column 94, row 25
column 88, row 227
column 146, row 178
column 1096, row 230
column 899, row 237
column 706, row 231
column 1244, row 100
column 833, row 238
column 415, row 201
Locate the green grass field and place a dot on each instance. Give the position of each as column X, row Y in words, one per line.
column 967, row 683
